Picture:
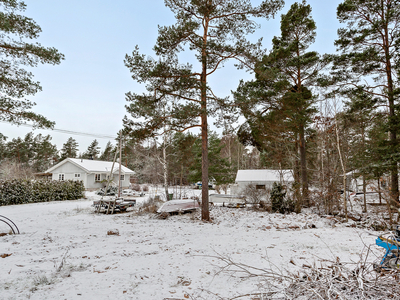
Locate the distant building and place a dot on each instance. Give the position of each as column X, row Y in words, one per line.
column 261, row 179
column 93, row 173
column 354, row 182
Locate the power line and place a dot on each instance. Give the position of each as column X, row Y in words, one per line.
column 100, row 136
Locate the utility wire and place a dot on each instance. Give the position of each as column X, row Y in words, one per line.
column 100, row 136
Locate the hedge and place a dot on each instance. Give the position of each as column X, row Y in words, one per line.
column 19, row 191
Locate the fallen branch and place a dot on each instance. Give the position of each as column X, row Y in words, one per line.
column 330, row 280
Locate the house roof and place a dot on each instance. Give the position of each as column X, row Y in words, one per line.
column 92, row 166
column 263, row 175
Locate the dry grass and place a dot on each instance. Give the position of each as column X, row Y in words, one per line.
column 136, row 187
column 150, row 206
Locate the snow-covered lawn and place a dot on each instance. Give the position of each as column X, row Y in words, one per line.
column 64, row 251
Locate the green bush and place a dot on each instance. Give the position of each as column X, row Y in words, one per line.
column 279, row 202
column 19, row 191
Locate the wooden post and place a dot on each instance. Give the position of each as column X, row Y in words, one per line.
column 120, row 161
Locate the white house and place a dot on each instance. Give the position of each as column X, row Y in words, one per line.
column 261, row 179
column 354, row 182
column 93, row 173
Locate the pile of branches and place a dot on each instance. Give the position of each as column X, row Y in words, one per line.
column 336, row 280
column 328, row 280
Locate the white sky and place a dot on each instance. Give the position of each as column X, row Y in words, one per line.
column 86, row 92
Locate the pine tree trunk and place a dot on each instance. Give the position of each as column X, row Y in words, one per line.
column 392, row 127
column 303, row 167
column 205, row 213
column 379, row 191
column 363, row 175
column 165, row 167
column 343, row 169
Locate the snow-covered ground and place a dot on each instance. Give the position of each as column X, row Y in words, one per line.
column 64, row 251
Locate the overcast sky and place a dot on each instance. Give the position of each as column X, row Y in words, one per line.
column 86, row 92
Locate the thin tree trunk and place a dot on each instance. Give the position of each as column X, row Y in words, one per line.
column 205, row 213
column 303, row 167
column 119, row 170
column 363, row 174
column 180, row 187
column 165, row 167
column 392, row 127
column 379, row 191
column 365, row 194
column 343, row 169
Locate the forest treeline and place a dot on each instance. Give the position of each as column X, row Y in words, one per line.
column 23, row 157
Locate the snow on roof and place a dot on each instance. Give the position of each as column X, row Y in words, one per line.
column 263, row 175
column 93, row 166
column 351, row 173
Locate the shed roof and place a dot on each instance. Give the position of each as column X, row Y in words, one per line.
column 263, row 175
column 93, row 166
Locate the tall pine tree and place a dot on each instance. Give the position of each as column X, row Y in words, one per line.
column 108, row 153
column 280, row 99
column 92, row 151
column 214, row 31
column 69, row 149
column 368, row 60
column 45, row 153
column 16, row 82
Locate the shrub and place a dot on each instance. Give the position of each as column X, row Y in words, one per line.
column 136, row 187
column 279, row 202
column 150, row 206
column 19, row 191
column 259, row 198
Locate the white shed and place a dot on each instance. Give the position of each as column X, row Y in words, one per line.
column 93, row 173
column 262, row 179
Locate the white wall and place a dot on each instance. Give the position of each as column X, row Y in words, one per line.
column 69, row 170
column 238, row 188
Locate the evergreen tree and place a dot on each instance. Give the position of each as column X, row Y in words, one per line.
column 32, row 152
column 69, row 149
column 182, row 159
column 279, row 201
column 20, row 150
column 219, row 167
column 133, row 156
column 16, row 82
column 108, row 153
column 2, row 147
column 358, row 117
column 280, row 98
column 45, row 153
column 368, row 61
column 92, row 151
column 215, row 32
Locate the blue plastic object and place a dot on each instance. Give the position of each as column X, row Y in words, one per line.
column 389, row 244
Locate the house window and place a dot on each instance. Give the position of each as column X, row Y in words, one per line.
column 96, row 177
column 61, row 177
column 122, row 178
column 77, row 175
column 260, row 187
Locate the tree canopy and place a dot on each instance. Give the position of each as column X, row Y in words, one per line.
column 179, row 95
column 16, row 54
column 278, row 104
column 69, row 149
column 368, row 62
